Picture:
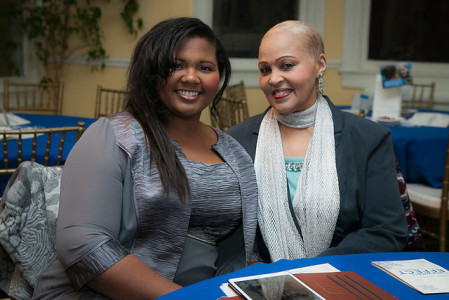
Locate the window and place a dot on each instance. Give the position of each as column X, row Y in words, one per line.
column 21, row 64
column 11, row 45
column 240, row 25
column 359, row 71
column 244, row 64
column 409, row 30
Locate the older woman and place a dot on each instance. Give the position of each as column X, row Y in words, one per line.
column 326, row 178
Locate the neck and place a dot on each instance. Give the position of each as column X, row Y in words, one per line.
column 300, row 119
column 181, row 129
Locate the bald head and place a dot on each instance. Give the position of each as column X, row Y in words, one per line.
column 314, row 41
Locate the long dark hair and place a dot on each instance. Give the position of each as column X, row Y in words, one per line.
column 152, row 60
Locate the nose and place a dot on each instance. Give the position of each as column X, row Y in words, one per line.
column 190, row 76
column 275, row 78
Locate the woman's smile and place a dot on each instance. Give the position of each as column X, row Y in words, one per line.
column 281, row 93
column 188, row 94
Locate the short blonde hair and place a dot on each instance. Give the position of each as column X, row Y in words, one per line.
column 315, row 44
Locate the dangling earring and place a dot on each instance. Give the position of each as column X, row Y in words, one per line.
column 321, row 84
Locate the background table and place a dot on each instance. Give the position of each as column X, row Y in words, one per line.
column 420, row 151
column 359, row 263
column 43, row 121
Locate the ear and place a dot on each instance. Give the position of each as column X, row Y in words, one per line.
column 321, row 64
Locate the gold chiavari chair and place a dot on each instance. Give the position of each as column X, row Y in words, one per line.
column 33, row 97
column 236, row 91
column 433, row 203
column 422, row 96
column 230, row 113
column 232, row 108
column 57, row 133
column 109, row 101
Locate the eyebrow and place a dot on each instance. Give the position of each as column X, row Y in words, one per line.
column 201, row 61
column 278, row 59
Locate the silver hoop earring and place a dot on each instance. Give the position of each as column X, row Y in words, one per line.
column 321, row 84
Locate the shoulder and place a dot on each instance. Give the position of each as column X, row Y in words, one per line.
column 110, row 133
column 249, row 126
column 246, row 133
column 127, row 131
column 356, row 126
column 110, row 124
column 228, row 144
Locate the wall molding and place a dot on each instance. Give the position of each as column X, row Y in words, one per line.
column 109, row 62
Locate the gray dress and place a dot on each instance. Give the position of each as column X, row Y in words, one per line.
column 125, row 211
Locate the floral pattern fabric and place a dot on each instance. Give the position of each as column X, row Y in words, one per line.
column 28, row 214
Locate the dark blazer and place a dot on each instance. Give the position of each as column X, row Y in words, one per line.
column 371, row 217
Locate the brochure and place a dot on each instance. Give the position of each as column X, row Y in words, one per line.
column 420, row 274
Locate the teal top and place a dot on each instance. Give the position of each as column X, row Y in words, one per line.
column 293, row 175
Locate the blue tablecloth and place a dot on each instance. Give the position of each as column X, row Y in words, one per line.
column 359, row 263
column 420, row 151
column 42, row 121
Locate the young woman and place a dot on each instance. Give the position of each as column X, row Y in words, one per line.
column 327, row 180
column 151, row 198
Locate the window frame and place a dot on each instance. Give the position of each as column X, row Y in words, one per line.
column 359, row 72
column 310, row 11
column 31, row 68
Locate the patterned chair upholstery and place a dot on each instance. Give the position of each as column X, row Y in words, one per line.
column 415, row 238
column 28, row 214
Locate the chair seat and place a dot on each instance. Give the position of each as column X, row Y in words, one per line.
column 425, row 195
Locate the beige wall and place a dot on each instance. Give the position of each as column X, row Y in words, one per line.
column 81, row 82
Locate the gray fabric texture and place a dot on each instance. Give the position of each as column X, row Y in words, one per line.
column 28, row 213
column 136, row 216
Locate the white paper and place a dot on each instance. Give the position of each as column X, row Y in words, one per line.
column 361, row 102
column 321, row 268
column 229, row 292
column 13, row 119
column 430, row 119
column 387, row 102
column 420, row 274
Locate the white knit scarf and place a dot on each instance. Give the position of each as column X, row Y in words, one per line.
column 316, row 202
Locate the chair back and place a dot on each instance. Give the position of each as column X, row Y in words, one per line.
column 236, row 91
column 433, row 202
column 33, row 97
column 422, row 96
column 56, row 133
column 232, row 108
column 109, row 101
column 28, row 215
column 230, row 113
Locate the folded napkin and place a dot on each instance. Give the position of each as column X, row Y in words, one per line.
column 430, row 119
column 8, row 119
